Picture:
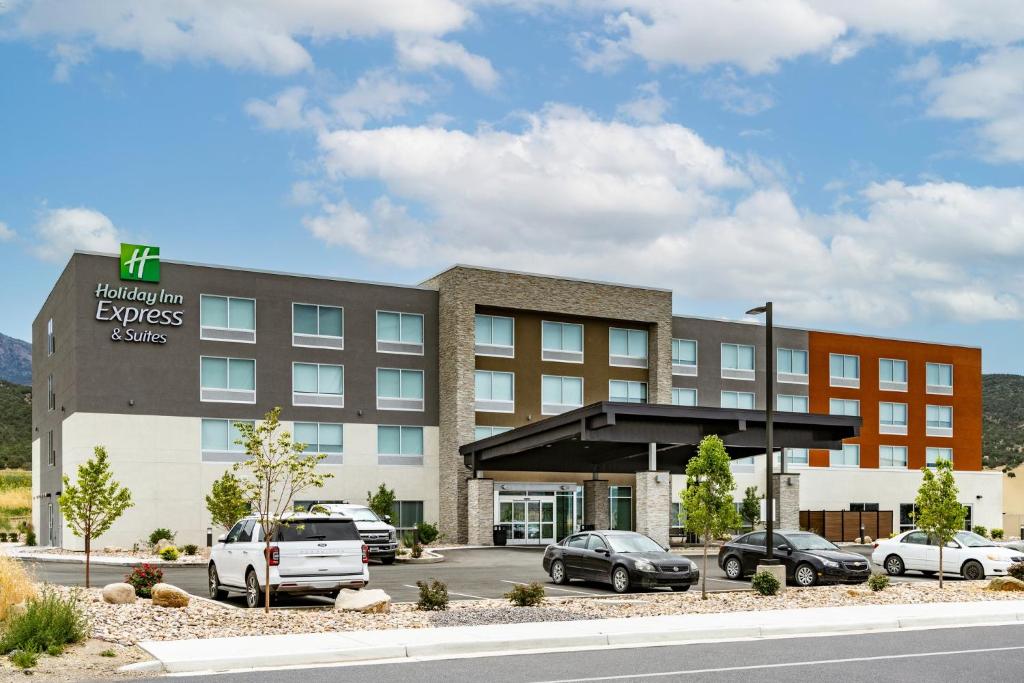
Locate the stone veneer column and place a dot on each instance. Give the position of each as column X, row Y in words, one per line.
column 787, row 500
column 480, row 509
column 595, row 503
column 653, row 505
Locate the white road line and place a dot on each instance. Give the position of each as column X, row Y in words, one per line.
column 783, row 665
column 553, row 588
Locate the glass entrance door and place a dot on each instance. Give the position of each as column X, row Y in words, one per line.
column 528, row 519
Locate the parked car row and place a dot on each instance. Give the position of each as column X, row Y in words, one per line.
column 968, row 555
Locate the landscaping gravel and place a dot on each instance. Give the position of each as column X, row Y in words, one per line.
column 502, row 615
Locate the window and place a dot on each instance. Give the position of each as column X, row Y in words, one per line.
column 51, row 342
column 792, row 366
column 737, row 361
column 797, row 457
column 481, row 432
column 595, row 542
column 849, row 456
column 218, row 441
column 624, row 391
column 400, row 332
column 791, row 404
column 844, row 371
column 939, row 420
column 684, row 397
column 227, row 380
column 562, row 342
column 738, row 399
column 684, row 357
column 322, row 437
column 892, row 374
column 578, row 541
column 938, row 378
column 844, row 406
column 406, row 514
column 495, row 391
column 908, row 511
column 892, row 456
column 315, row 384
column 495, row 336
column 51, row 452
column 742, row 464
column 399, row 445
column 318, row 326
column 620, row 506
column 399, row 389
column 863, row 507
column 892, row 418
column 932, row 456
column 51, row 396
column 559, row 394
column 227, row 318
column 627, row 347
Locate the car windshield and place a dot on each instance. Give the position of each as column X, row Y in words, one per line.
column 633, row 543
column 361, row 514
column 973, row 540
column 810, row 542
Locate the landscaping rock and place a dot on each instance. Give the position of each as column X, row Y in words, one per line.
column 373, row 601
column 1005, row 583
column 868, row 540
column 160, row 545
column 118, row 593
column 166, row 595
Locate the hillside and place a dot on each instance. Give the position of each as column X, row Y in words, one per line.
column 15, row 360
column 15, row 425
column 1003, row 420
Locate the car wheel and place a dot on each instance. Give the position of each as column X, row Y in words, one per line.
column 253, row 593
column 733, row 569
column 973, row 571
column 558, row 575
column 216, row 592
column 620, row 580
column 804, row 575
column 894, row 565
column 681, row 589
column 388, row 560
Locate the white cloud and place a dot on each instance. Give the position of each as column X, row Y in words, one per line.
column 737, row 98
column 924, row 69
column 60, row 232
column 423, row 53
column 67, row 56
column 377, row 96
column 286, row 112
column 648, row 106
column 6, row 234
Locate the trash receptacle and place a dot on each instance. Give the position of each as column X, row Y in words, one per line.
column 587, row 527
column 500, row 535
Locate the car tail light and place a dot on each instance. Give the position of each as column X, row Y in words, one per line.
column 274, row 556
column 366, row 554
column 874, row 545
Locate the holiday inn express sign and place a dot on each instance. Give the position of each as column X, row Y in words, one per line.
column 131, row 306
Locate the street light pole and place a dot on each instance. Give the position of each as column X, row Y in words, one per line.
column 769, row 497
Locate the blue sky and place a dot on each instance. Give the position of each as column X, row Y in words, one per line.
column 859, row 165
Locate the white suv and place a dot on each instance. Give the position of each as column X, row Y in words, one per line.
column 313, row 554
column 377, row 533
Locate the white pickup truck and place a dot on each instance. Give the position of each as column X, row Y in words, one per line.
column 313, row 554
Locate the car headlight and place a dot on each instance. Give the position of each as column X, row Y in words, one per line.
column 394, row 535
column 644, row 566
column 995, row 557
column 830, row 564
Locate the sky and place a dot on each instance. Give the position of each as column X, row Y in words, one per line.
column 859, row 164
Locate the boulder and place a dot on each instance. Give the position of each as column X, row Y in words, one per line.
column 867, row 540
column 166, row 595
column 373, row 601
column 161, row 544
column 119, row 593
column 858, row 540
column 1005, row 583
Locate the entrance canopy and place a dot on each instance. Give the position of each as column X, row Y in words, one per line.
column 615, row 437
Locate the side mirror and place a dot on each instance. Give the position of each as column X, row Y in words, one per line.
column 604, row 551
column 788, row 549
column 387, row 519
column 221, row 538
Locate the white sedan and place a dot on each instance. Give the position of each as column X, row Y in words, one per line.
column 968, row 554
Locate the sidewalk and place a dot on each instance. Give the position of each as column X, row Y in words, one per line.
column 222, row 654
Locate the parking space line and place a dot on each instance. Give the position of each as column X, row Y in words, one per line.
column 554, row 588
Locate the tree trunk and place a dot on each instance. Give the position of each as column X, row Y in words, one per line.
column 266, row 567
column 704, row 572
column 941, row 585
column 88, row 549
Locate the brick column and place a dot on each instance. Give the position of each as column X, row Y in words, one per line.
column 480, row 511
column 595, row 503
column 653, row 505
column 787, row 500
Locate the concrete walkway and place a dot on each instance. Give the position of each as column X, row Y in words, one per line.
column 222, row 654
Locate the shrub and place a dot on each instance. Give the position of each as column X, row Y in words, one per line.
column 143, row 578
column 29, row 531
column 170, row 553
column 417, row 550
column 160, row 534
column 765, row 583
column 1016, row 570
column 980, row 530
column 428, row 533
column 3, row 537
column 24, row 659
column 526, row 595
column 878, row 582
column 190, row 548
column 48, row 621
column 997, row 534
column 55, row 650
column 108, row 653
column 15, row 585
column 433, row 595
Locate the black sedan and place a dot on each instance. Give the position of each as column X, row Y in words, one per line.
column 809, row 558
column 625, row 559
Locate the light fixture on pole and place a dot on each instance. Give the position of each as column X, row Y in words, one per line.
column 769, row 452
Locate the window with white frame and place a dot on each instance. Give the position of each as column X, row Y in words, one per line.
column 219, row 440
column 624, row 391
column 892, row 456
column 844, row 406
column 938, row 378
column 495, row 391
column 892, row 418
column 561, row 342
column 399, row 445
column 788, row 403
column 939, row 420
column 791, row 366
column 51, row 342
column 560, row 394
column 227, row 380
column 51, row 451
column 482, row 432
column 742, row 464
column 227, row 318
column 51, row 394
column 400, row 332
column 318, row 384
column 684, row 357
column 406, row 514
column 399, row 389
column 318, row 326
column 892, row 374
column 684, row 397
column 737, row 361
column 738, row 399
column 932, row 456
column 627, row 347
column 844, row 370
column 849, row 456
column 325, row 438
column 795, row 457
column 495, row 336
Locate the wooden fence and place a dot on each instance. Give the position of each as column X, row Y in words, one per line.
column 841, row 526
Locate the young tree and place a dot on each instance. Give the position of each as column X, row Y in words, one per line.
column 382, row 502
column 939, row 514
column 750, row 508
column 93, row 502
column 277, row 469
column 707, row 498
column 226, row 502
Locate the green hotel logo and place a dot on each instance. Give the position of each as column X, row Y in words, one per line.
column 140, row 262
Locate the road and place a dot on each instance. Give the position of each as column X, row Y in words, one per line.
column 959, row 654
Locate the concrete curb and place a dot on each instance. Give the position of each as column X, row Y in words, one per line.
column 428, row 557
column 105, row 561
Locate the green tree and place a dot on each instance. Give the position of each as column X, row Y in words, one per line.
column 276, row 470
column 94, row 502
column 750, row 508
column 707, row 498
column 226, row 502
column 382, row 502
column 939, row 514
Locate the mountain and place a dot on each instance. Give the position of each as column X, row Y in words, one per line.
column 15, row 360
column 15, row 426
column 1002, row 420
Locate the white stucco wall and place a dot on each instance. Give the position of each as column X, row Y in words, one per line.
column 35, row 486
column 159, row 459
